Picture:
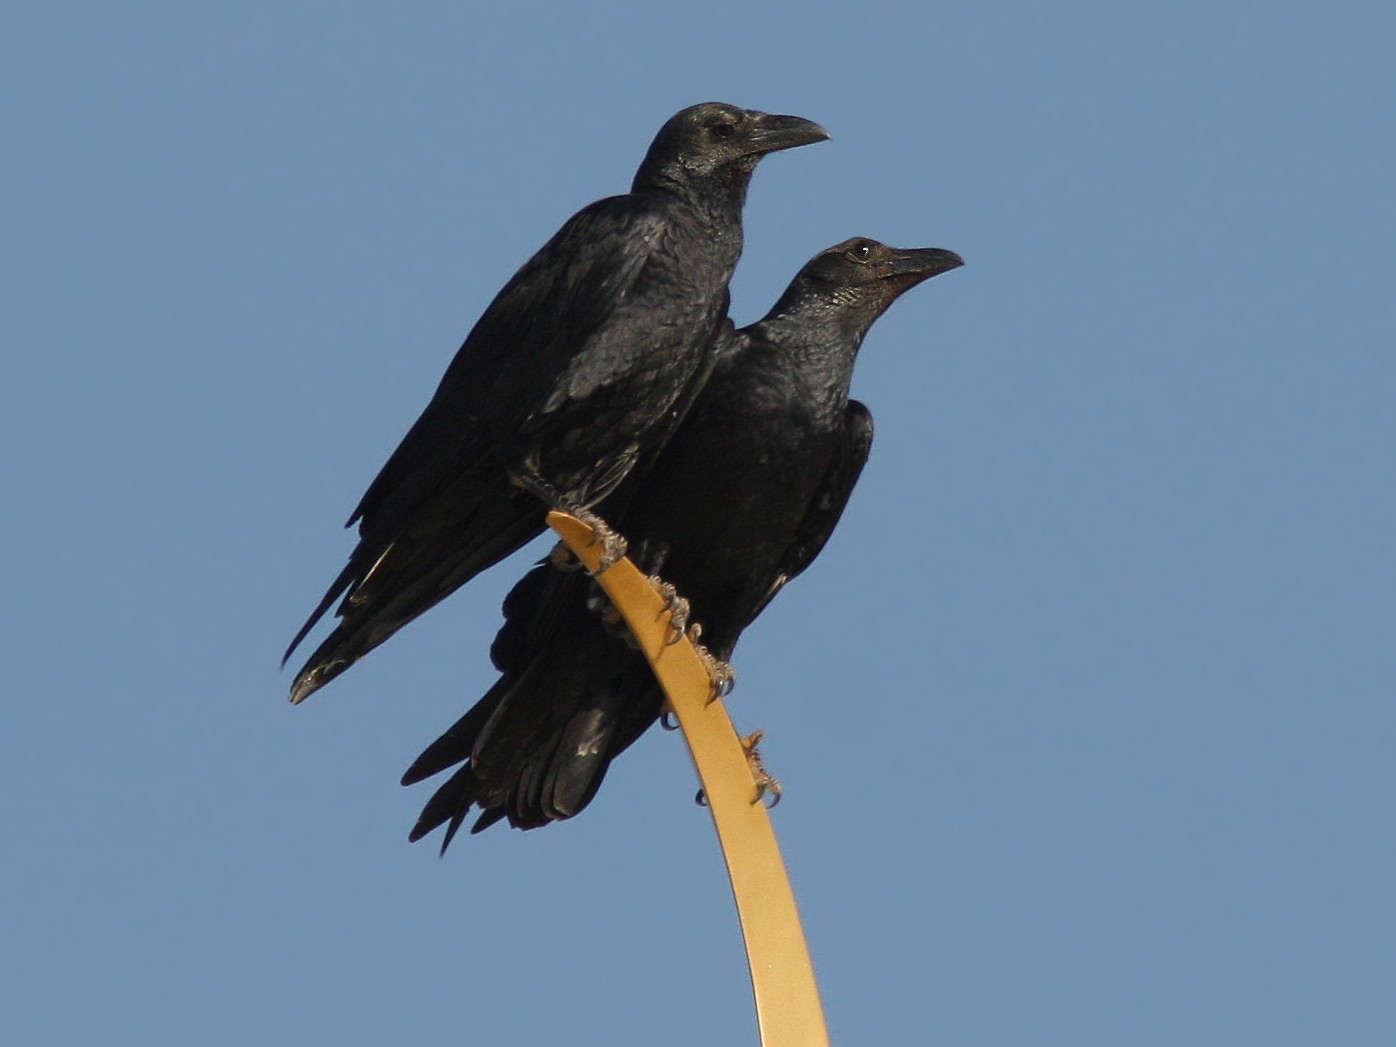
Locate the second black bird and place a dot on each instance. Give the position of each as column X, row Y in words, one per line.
column 741, row 500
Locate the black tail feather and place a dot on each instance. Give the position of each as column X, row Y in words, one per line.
column 406, row 580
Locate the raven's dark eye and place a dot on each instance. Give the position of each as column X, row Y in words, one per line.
column 862, row 252
column 723, row 130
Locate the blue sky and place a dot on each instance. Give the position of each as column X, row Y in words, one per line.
column 1085, row 716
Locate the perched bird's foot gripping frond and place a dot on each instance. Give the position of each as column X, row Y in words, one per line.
column 768, row 788
column 613, row 544
column 721, row 673
column 678, row 609
column 668, row 719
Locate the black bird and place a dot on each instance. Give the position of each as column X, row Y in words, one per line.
column 740, row 501
column 580, row 368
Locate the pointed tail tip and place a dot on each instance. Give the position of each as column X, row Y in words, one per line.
column 317, row 672
column 451, row 831
column 303, row 687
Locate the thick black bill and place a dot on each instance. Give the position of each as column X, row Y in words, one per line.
column 773, row 132
column 924, row 262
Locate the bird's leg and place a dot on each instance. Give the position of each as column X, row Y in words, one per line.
column 613, row 544
column 678, row 609
column 765, row 784
column 530, row 481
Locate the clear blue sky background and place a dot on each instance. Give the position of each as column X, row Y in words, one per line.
column 1086, row 715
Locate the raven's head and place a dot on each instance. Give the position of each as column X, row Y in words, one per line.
column 865, row 274
column 851, row 284
column 716, row 139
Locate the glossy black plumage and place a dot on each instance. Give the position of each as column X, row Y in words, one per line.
column 741, row 500
column 579, row 369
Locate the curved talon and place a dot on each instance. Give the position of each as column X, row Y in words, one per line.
column 668, row 720
column 726, row 679
column 678, row 609
column 613, row 545
column 766, row 784
column 722, row 675
column 768, row 788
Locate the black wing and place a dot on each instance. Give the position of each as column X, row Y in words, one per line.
column 444, row 476
column 829, row 501
column 518, row 354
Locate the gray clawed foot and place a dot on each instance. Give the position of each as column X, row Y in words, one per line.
column 613, row 549
column 678, row 609
column 611, row 617
column 613, row 544
column 721, row 673
column 724, row 678
column 766, row 784
column 768, row 788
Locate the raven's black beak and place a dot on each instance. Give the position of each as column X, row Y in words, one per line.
column 924, row 262
column 769, row 133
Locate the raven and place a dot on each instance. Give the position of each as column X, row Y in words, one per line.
column 580, row 368
column 740, row 501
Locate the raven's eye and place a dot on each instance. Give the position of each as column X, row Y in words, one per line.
column 862, row 251
column 723, row 130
